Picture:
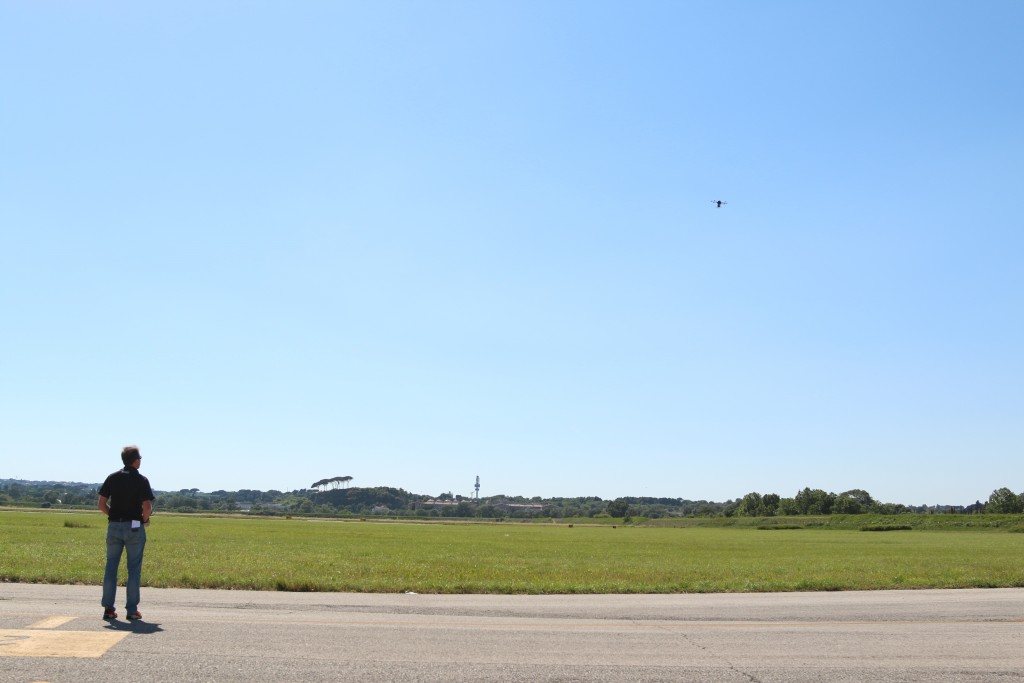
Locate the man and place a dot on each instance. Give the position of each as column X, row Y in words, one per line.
column 126, row 498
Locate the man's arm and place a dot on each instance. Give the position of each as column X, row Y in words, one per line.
column 147, row 511
column 102, row 505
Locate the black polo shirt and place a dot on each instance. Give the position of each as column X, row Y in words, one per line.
column 125, row 490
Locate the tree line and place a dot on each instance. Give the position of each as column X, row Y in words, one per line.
column 327, row 498
column 810, row 501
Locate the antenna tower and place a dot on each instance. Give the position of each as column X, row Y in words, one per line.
column 476, row 489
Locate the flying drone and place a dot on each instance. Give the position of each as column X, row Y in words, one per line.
column 718, row 203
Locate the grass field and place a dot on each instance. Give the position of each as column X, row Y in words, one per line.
column 309, row 555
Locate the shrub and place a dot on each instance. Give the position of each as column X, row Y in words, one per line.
column 72, row 524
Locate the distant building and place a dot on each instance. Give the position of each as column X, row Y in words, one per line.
column 524, row 507
column 436, row 504
column 448, row 504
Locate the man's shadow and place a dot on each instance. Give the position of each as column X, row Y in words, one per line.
column 139, row 627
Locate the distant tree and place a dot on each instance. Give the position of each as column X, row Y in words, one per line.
column 814, row 502
column 751, row 505
column 788, row 507
column 617, row 508
column 755, row 505
column 1005, row 501
column 890, row 508
column 853, row 502
column 486, row 511
column 976, row 509
column 862, row 496
column 844, row 505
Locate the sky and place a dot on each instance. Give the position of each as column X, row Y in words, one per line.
column 417, row 243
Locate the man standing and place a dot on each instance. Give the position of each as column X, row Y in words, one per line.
column 127, row 500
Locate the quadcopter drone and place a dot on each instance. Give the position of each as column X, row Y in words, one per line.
column 718, row 203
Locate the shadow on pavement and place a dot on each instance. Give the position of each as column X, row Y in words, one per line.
column 140, row 627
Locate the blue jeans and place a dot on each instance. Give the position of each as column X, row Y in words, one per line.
column 121, row 537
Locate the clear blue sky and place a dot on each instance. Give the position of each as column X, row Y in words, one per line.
column 419, row 242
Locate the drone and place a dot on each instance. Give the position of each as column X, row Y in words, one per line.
column 718, row 203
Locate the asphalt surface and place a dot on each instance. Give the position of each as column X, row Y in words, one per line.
column 54, row 634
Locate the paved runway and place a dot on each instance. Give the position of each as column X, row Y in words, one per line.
column 54, row 634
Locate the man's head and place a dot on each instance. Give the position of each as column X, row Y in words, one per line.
column 129, row 455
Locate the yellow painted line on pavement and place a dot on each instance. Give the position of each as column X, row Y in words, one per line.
column 52, row 622
column 45, row 643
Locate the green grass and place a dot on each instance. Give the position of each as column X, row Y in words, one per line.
column 297, row 555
